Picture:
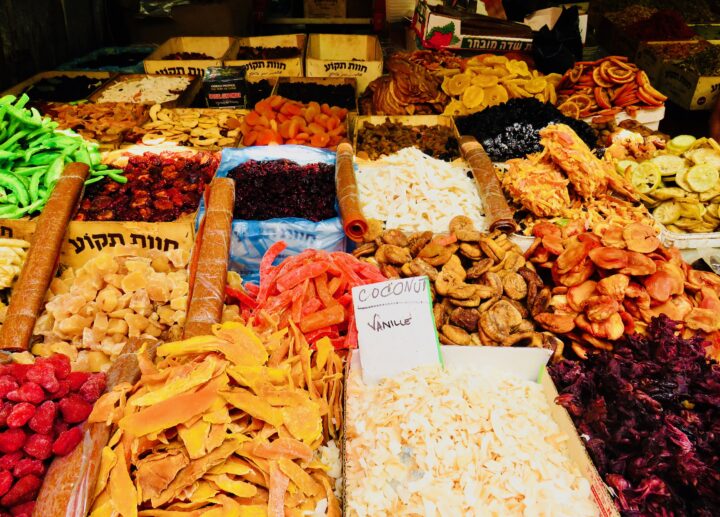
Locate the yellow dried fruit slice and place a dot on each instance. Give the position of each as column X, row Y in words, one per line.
column 458, row 83
column 473, row 96
column 495, row 95
column 446, row 85
column 455, row 108
column 518, row 68
column 493, row 60
column 536, row 85
column 702, row 178
column 485, row 81
column 667, row 213
column 645, row 177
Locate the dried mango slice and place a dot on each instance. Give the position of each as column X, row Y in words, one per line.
column 324, row 347
column 194, row 438
column 495, row 60
column 495, row 95
column 155, row 472
column 102, row 506
column 234, row 466
column 123, row 496
column 303, row 421
column 191, row 376
column 300, row 478
column 108, row 459
column 280, row 448
column 201, row 344
column 458, row 83
column 233, row 486
column 254, row 376
column 254, row 406
column 278, row 486
column 247, row 345
column 203, row 492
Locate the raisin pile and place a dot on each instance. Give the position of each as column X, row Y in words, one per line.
column 42, row 407
column 160, row 188
column 281, row 188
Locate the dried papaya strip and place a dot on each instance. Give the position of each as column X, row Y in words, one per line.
column 333, row 315
column 290, row 280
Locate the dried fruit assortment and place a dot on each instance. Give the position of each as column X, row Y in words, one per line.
column 277, row 120
column 203, row 128
column 307, row 191
column 159, row 187
column 606, row 87
column 484, row 291
column 376, row 140
column 42, row 409
column 614, row 281
column 340, row 95
column 489, row 80
column 93, row 311
column 243, row 427
column 147, row 89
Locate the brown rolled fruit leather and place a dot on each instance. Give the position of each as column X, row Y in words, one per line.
column 205, row 303
column 68, row 489
column 354, row 223
column 41, row 261
column 498, row 213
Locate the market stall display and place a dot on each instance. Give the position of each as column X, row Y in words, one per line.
column 258, row 89
column 334, row 91
column 12, row 257
column 388, row 137
column 144, row 89
column 201, row 128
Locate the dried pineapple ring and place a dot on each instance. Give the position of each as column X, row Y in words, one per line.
column 667, row 213
column 473, row 96
column 446, row 85
column 458, row 83
column 492, row 60
column 495, row 95
column 455, row 108
column 518, row 67
column 485, row 81
column 536, row 85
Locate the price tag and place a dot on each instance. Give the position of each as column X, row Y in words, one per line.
column 396, row 327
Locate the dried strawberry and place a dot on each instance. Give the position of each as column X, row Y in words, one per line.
column 44, row 375
column 28, row 466
column 20, row 415
column 28, row 392
column 6, row 480
column 8, row 461
column 93, row 387
column 62, row 391
column 77, row 379
column 74, row 409
column 67, row 441
column 23, row 510
column 5, row 410
column 60, row 426
column 61, row 364
column 24, row 490
column 7, row 384
column 44, row 417
column 39, row 446
column 18, row 371
column 12, row 440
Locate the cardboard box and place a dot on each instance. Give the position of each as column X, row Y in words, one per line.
column 288, row 67
column 429, row 23
column 20, row 87
column 689, row 90
column 527, row 363
column 325, row 81
column 648, row 59
column 325, row 8
column 217, row 47
column 344, row 55
column 184, row 99
column 18, row 228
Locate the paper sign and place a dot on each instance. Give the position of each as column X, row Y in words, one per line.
column 396, row 327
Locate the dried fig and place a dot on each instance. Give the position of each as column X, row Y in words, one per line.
column 514, row 286
column 464, row 229
column 392, row 254
column 367, row 249
column 456, row 335
column 375, row 229
column 436, row 254
column 418, row 241
column 479, row 268
column 419, row 267
column 465, row 318
column 471, row 251
column 395, row 237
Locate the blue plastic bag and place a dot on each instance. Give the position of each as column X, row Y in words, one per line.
column 251, row 239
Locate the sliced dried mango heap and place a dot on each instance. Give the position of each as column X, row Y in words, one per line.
column 234, row 423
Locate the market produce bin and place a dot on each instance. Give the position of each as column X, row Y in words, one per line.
column 183, row 99
column 405, row 120
column 268, row 65
column 19, row 88
column 286, row 87
column 688, row 89
column 217, row 48
column 344, row 55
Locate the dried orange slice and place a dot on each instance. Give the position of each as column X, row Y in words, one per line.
column 495, row 95
column 583, row 101
column 570, row 109
column 485, row 81
column 457, row 84
column 575, row 74
column 600, row 80
column 473, row 96
column 518, row 68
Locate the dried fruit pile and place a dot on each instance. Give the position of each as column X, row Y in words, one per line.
column 375, row 140
column 187, row 56
column 648, row 412
column 438, row 62
column 12, row 257
column 63, row 88
column 159, row 188
column 703, row 63
column 242, row 427
column 147, row 89
column 92, row 311
column 277, row 120
column 281, row 188
column 606, row 87
column 663, row 25
column 484, row 291
column 489, row 80
column 312, row 289
column 614, row 281
column 340, row 95
column 42, row 408
column 267, row 52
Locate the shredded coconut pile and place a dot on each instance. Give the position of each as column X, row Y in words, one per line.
column 465, row 442
column 147, row 89
column 412, row 191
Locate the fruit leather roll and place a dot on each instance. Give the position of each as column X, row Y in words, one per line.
column 69, row 486
column 41, row 261
column 205, row 303
column 353, row 220
column 498, row 213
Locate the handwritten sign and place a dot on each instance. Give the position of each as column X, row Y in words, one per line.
column 396, row 328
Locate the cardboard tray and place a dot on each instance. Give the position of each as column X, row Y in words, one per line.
column 217, row 47
column 20, row 87
column 324, row 81
column 528, row 363
column 184, row 99
column 289, row 67
column 344, row 55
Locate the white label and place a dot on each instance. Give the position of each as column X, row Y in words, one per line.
column 396, row 327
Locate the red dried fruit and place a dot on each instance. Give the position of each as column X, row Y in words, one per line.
column 20, row 415
column 61, row 364
column 5, row 410
column 74, row 409
column 18, row 371
column 12, row 440
column 28, row 466
column 28, row 392
column 44, row 375
column 77, row 379
column 7, row 384
column 67, row 441
column 25, row 489
column 93, row 387
column 60, row 427
column 8, row 461
column 62, row 391
column 23, row 510
column 39, row 446
column 6, row 480
column 44, row 417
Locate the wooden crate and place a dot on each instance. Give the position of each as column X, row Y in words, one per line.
column 289, row 67
column 324, row 81
column 344, row 55
column 217, row 47
column 20, row 87
column 184, row 99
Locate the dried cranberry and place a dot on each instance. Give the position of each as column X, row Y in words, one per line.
column 6, row 480
column 93, row 387
column 74, row 409
column 12, row 440
column 28, row 392
column 8, row 461
column 77, row 379
column 28, row 466
column 23, row 510
column 44, row 417
column 67, row 441
column 20, row 415
column 24, row 490
column 39, row 446
column 7, row 384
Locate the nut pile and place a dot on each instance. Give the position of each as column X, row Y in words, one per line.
column 206, row 128
column 42, row 408
column 93, row 311
column 484, row 291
